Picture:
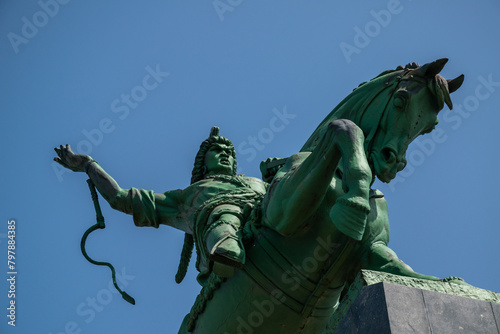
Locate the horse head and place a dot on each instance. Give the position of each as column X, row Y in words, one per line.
column 392, row 110
column 416, row 97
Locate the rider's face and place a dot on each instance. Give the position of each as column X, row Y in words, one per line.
column 219, row 160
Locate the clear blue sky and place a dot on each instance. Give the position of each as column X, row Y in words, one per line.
column 68, row 69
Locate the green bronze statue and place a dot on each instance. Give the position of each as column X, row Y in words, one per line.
column 301, row 239
column 210, row 211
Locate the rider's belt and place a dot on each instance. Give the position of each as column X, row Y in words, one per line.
column 273, row 272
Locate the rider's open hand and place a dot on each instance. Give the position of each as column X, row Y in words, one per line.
column 70, row 160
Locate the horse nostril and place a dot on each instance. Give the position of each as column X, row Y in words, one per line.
column 388, row 155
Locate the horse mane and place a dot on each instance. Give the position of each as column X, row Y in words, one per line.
column 354, row 105
column 370, row 99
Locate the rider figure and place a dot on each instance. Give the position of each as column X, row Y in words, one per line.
column 212, row 210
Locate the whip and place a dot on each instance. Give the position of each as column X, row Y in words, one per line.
column 100, row 225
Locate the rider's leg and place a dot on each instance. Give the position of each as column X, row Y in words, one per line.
column 298, row 192
column 223, row 240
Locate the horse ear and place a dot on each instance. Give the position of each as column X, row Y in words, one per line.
column 455, row 84
column 431, row 69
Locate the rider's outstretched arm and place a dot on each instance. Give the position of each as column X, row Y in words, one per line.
column 147, row 207
column 107, row 186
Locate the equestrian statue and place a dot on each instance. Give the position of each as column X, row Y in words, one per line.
column 274, row 254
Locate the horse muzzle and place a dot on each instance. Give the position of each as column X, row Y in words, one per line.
column 386, row 164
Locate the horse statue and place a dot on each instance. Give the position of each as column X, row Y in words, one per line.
column 320, row 222
column 299, row 238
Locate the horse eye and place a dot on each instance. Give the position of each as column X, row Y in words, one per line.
column 400, row 101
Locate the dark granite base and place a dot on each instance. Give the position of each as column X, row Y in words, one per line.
column 391, row 308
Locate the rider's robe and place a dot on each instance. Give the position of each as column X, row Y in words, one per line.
column 187, row 209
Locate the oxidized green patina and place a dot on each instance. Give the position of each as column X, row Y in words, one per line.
column 301, row 238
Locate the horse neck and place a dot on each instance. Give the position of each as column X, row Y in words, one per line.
column 365, row 107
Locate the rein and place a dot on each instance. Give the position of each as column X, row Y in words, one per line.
column 100, row 225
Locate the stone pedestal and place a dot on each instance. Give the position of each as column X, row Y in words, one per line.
column 378, row 303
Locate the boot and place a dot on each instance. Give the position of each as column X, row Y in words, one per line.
column 225, row 250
